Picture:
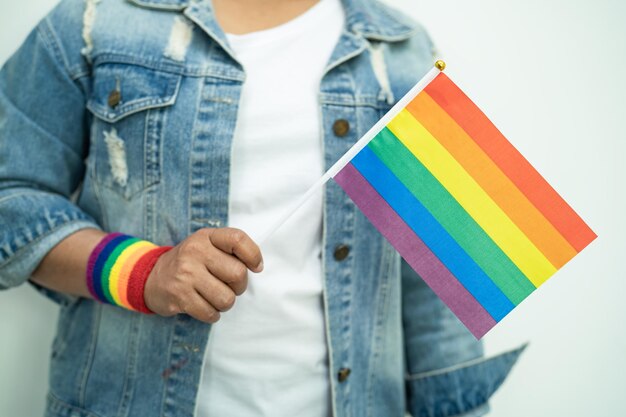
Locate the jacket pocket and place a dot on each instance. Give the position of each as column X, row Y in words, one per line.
column 130, row 104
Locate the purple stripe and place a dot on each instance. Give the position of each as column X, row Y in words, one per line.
column 93, row 257
column 415, row 252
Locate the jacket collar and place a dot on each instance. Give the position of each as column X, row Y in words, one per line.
column 377, row 21
column 162, row 4
column 363, row 17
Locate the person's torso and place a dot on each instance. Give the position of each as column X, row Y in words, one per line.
column 165, row 89
column 267, row 355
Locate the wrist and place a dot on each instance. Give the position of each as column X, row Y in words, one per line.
column 118, row 268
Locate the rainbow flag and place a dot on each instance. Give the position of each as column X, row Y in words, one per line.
column 460, row 204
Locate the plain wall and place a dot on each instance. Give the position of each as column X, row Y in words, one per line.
column 549, row 74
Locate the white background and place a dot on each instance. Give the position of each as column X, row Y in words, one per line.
column 550, row 75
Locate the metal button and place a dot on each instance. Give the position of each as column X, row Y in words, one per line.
column 341, row 127
column 341, row 252
column 114, row 98
column 343, row 374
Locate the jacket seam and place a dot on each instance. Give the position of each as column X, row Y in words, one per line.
column 53, row 46
column 356, row 52
column 166, row 7
column 57, row 403
column 324, row 241
column 382, row 310
column 402, row 23
column 448, row 369
column 95, row 321
column 462, row 365
column 49, row 38
column 109, row 57
column 352, row 104
column 483, row 406
column 15, row 195
column 389, row 38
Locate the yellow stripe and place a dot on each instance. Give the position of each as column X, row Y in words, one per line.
column 502, row 230
column 492, row 180
column 114, row 276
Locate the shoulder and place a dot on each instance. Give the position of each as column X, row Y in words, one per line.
column 386, row 23
column 406, row 43
column 409, row 52
column 60, row 30
column 402, row 31
column 82, row 30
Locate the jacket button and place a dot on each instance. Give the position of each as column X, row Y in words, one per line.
column 341, row 127
column 341, row 252
column 343, row 374
column 114, row 98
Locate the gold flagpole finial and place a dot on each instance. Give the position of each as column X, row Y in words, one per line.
column 440, row 65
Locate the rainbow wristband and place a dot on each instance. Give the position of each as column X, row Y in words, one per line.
column 118, row 269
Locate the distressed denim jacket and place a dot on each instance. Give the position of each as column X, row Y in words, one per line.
column 119, row 115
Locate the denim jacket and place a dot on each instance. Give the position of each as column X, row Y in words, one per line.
column 119, row 115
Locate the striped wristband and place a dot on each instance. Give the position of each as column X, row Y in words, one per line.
column 118, row 268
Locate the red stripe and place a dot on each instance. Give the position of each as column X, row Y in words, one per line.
column 510, row 161
column 139, row 276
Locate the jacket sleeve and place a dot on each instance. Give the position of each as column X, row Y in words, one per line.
column 43, row 143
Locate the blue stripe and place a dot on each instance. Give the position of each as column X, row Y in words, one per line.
column 102, row 258
column 458, row 262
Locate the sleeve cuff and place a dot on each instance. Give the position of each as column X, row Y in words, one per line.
column 22, row 263
column 461, row 390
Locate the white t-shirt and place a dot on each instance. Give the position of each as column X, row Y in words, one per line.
column 267, row 356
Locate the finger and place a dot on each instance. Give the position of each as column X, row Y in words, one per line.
column 228, row 269
column 199, row 308
column 216, row 293
column 238, row 243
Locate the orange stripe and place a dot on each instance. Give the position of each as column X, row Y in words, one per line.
column 127, row 269
column 492, row 180
column 510, row 161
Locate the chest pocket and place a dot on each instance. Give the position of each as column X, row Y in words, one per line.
column 130, row 104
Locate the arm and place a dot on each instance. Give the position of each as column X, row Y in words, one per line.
column 201, row 276
column 64, row 268
column 46, row 239
column 43, row 144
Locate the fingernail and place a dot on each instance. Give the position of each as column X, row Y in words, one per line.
column 260, row 267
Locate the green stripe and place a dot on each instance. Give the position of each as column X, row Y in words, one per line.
column 451, row 215
column 106, row 270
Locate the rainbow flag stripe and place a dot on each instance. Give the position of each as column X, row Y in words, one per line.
column 461, row 205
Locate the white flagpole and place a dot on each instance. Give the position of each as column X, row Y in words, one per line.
column 356, row 148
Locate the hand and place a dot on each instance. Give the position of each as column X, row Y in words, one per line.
column 203, row 274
